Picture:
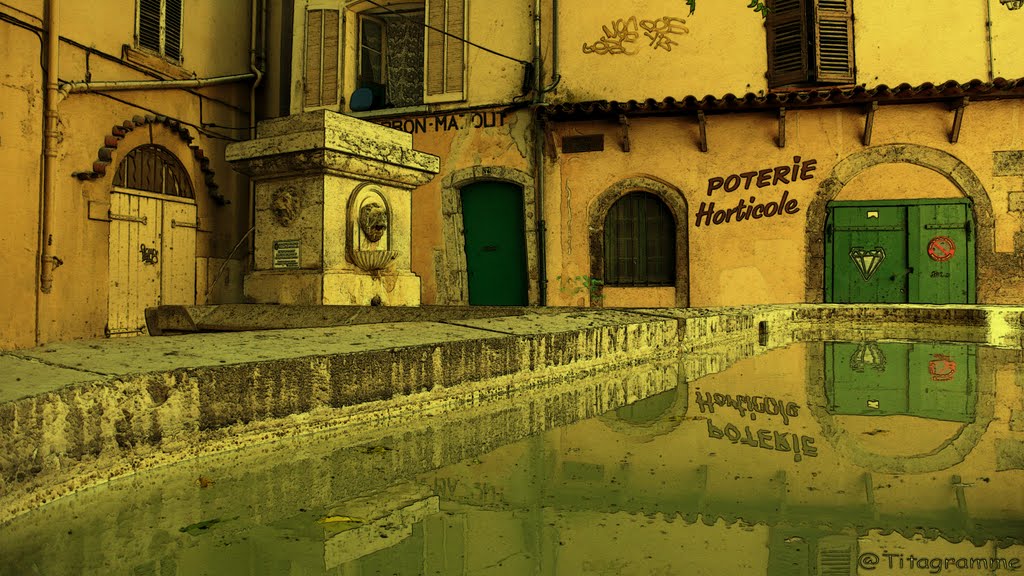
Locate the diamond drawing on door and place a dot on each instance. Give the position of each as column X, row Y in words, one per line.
column 152, row 244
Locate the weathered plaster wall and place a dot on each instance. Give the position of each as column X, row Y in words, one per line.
column 604, row 55
column 473, row 145
column 77, row 306
column 21, row 123
column 683, row 54
column 764, row 261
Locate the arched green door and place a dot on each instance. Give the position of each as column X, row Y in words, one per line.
column 492, row 214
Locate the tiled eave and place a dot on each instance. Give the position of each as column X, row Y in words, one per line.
column 950, row 91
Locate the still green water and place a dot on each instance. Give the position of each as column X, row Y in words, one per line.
column 819, row 458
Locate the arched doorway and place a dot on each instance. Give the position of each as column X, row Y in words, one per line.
column 932, row 243
column 152, row 246
column 495, row 239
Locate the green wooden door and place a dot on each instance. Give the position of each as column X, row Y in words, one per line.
column 928, row 380
column 495, row 235
column 890, row 251
column 869, row 249
column 941, row 243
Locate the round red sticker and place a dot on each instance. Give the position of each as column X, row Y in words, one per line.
column 941, row 248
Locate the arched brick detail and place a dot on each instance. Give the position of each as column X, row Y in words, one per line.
column 676, row 202
column 450, row 263
column 105, row 156
column 932, row 158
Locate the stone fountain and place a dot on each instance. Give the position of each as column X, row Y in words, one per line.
column 333, row 210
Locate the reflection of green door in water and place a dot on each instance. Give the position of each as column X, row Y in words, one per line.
column 492, row 215
column 909, row 251
column 928, row 380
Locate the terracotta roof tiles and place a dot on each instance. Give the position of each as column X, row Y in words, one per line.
column 802, row 98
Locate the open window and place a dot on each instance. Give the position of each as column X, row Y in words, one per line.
column 381, row 55
column 810, row 42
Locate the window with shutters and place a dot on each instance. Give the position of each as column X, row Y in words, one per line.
column 810, row 42
column 409, row 53
column 378, row 55
column 639, row 242
column 158, row 27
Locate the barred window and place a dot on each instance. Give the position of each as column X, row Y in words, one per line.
column 153, row 168
column 639, row 242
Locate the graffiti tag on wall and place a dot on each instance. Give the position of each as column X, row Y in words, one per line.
column 623, row 34
column 752, row 209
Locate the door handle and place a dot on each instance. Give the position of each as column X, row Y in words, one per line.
column 490, row 248
column 906, row 272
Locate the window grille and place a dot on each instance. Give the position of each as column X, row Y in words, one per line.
column 640, row 242
column 152, row 168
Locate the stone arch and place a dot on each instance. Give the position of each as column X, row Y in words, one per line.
column 450, row 263
column 105, row 155
column 672, row 197
column 958, row 173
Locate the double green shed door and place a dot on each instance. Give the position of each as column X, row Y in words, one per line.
column 918, row 252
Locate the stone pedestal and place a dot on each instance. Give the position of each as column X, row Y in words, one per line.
column 333, row 210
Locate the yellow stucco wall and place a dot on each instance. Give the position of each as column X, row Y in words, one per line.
column 721, row 48
column 77, row 307
column 689, row 61
column 763, row 261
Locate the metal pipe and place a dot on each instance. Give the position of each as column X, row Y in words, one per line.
column 988, row 37
column 114, row 85
column 538, row 154
column 48, row 260
column 255, row 11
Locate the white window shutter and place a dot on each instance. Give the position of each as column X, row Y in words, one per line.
column 444, row 69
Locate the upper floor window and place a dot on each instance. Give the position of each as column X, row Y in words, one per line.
column 810, row 42
column 393, row 59
column 639, row 242
column 158, row 27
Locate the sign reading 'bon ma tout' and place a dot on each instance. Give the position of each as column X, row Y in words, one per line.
column 749, row 184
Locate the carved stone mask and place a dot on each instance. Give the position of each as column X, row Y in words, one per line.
column 285, row 206
column 373, row 221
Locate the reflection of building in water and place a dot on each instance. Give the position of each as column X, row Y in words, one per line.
column 650, row 481
column 929, row 380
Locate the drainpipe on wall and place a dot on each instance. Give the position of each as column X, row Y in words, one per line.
column 988, row 37
column 119, row 85
column 254, row 67
column 48, row 261
column 538, row 155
